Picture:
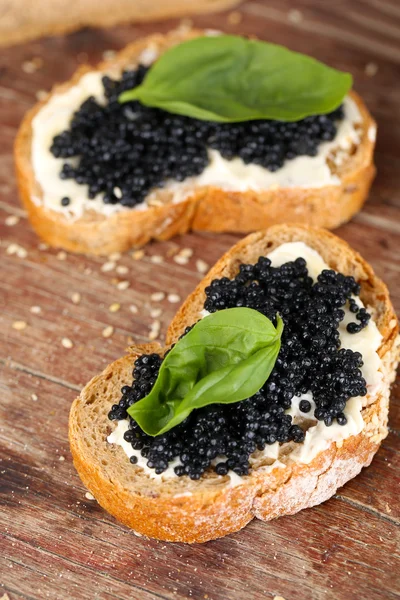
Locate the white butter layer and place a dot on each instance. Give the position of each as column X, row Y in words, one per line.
column 55, row 117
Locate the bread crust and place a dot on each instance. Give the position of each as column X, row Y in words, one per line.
column 207, row 208
column 197, row 511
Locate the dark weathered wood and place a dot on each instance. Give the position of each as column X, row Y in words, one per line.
column 57, row 544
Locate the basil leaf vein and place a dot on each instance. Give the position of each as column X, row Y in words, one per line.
column 225, row 358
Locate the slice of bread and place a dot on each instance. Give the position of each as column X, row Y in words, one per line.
column 206, row 208
column 179, row 509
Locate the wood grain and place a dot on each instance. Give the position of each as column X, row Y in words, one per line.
column 57, row 544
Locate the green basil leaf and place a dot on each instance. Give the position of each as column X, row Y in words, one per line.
column 225, row 358
column 230, row 78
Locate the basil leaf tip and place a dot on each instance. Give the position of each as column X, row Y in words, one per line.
column 229, row 78
column 227, row 357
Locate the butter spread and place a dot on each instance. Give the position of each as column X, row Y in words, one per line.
column 318, row 436
column 55, row 117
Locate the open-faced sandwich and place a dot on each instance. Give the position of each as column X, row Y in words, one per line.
column 272, row 392
column 193, row 130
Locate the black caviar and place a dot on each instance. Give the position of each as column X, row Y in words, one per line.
column 309, row 360
column 125, row 151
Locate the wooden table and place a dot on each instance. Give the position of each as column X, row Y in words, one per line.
column 56, row 542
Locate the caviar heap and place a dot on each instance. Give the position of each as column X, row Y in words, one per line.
column 125, row 151
column 310, row 359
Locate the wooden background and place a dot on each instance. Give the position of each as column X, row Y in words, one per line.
column 55, row 542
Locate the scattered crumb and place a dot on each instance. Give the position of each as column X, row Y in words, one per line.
column 201, row 266
column 388, row 509
column 156, row 259
column 19, row 325
column 157, row 296
column 173, row 250
column 61, row 458
column 137, row 254
column 186, row 252
column 61, row 255
column 108, row 54
column 11, row 220
column 36, row 310
column 155, row 313
column 134, row 309
column 154, row 330
column 34, row 397
column 371, row 69
column 173, row 298
column 123, row 285
column 235, row 17
column 75, row 297
column 16, row 249
column 31, row 66
column 181, row 260
column 41, row 95
column 89, row 496
column 114, row 307
column 5, row 597
column 295, row 16
column 122, row 270
column 114, row 256
column 42, row 246
column 107, row 266
column 66, row 342
column 107, row 331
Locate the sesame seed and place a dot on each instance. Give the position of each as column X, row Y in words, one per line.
column 41, row 95
column 35, row 310
column 181, row 260
column 76, row 297
column 186, row 252
column 154, row 330
column 108, row 54
column 107, row 331
column 123, row 285
column 122, row 270
column 157, row 296
column 61, row 458
column 133, row 309
column 66, row 343
column 19, row 325
column 114, row 307
column 234, row 18
column 107, row 266
column 114, row 256
column 371, row 69
column 155, row 312
column 156, row 259
column 42, row 246
column 173, row 298
column 11, row 220
column 295, row 16
column 31, row 66
column 61, row 255
column 137, row 254
column 34, row 397
column 117, row 192
column 89, row 496
column 16, row 249
column 201, row 266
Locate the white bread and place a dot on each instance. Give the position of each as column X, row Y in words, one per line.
column 207, row 208
column 180, row 509
column 21, row 21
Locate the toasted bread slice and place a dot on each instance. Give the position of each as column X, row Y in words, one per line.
column 179, row 509
column 204, row 208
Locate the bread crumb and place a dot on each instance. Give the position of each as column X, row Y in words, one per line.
column 107, row 331
column 5, row 597
column 61, row 458
column 66, row 342
column 156, row 259
column 134, row 309
column 107, row 266
column 279, row 598
column 123, row 285
column 295, row 16
column 34, row 397
column 108, row 54
column 42, row 246
column 19, row 325
column 186, row 252
column 114, row 307
column 157, row 296
column 36, row 310
column 16, row 249
column 137, row 254
column 122, row 270
column 41, row 95
column 114, row 256
column 11, row 220
column 155, row 312
column 371, row 69
column 89, row 496
column 75, row 297
column 201, row 266
column 173, row 298
column 31, row 66
column 61, row 255
column 235, row 17
column 181, row 260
